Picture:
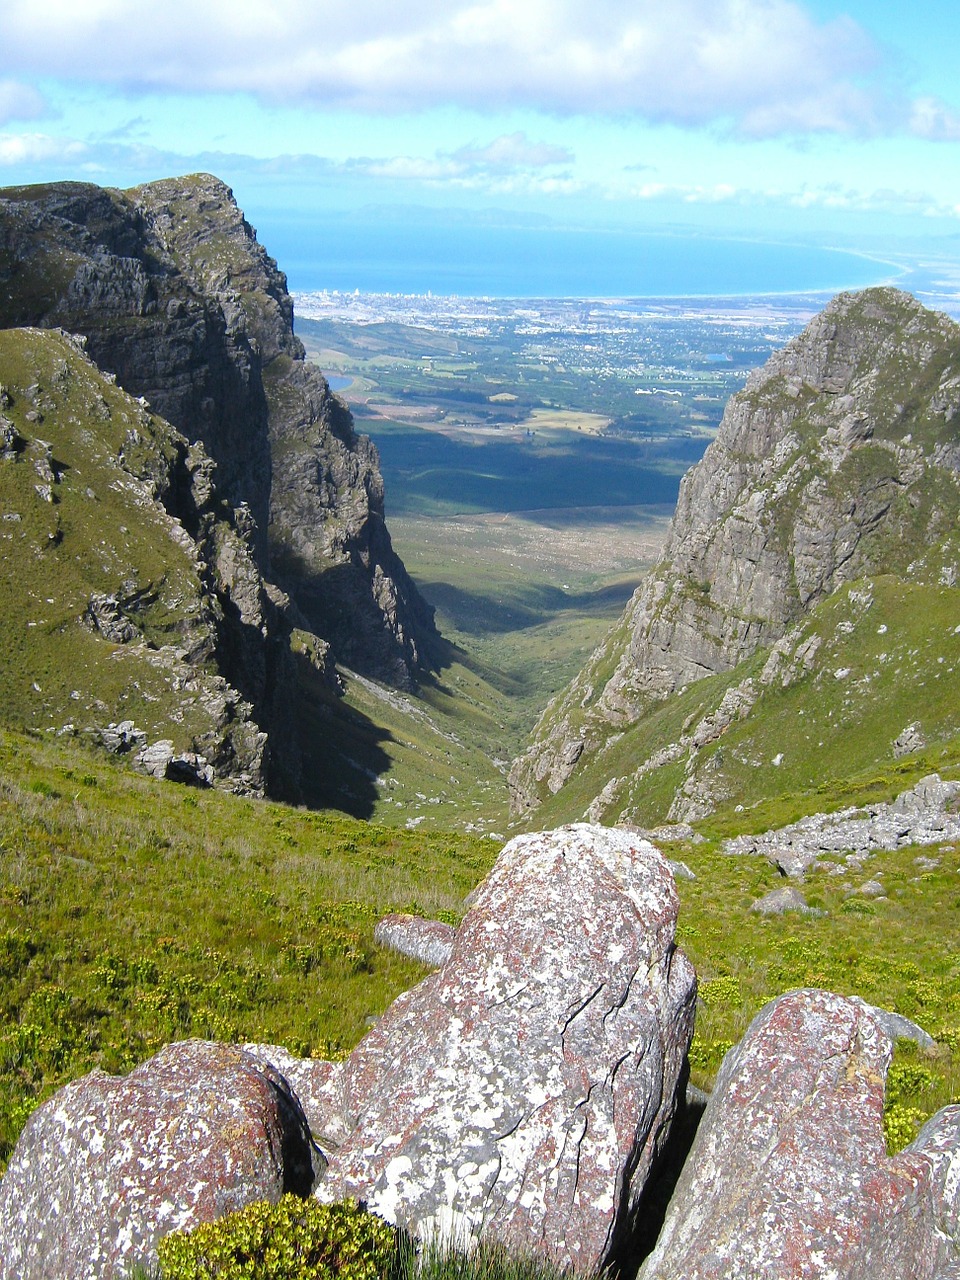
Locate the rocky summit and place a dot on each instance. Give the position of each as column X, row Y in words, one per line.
column 178, row 301
column 834, row 475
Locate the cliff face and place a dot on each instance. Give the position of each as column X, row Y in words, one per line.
column 838, row 459
column 176, row 298
column 121, row 618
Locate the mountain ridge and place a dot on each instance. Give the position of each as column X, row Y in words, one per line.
column 838, row 460
column 177, row 298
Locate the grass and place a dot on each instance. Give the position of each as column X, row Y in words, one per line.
column 134, row 913
column 900, row 952
column 75, row 522
column 888, row 656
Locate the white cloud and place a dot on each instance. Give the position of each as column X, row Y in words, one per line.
column 19, row 102
column 933, row 119
column 39, row 148
column 508, row 163
column 513, row 151
column 766, row 66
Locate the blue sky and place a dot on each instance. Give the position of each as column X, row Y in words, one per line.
column 838, row 122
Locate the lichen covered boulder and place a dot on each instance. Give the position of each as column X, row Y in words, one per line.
column 789, row 1175
column 110, row 1164
column 521, row 1092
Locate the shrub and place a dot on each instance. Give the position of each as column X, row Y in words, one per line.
column 292, row 1240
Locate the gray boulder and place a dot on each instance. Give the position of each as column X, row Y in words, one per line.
column 523, row 1091
column 789, row 1176
column 778, row 901
column 924, row 814
column 319, row 1088
column 110, row 1164
column 429, row 941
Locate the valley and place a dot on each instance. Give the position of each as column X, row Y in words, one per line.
column 247, row 712
column 531, row 454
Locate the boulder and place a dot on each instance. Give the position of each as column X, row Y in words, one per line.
column 110, row 1164
column 429, row 941
column 779, row 901
column 318, row 1086
column 789, row 1176
column 522, row 1092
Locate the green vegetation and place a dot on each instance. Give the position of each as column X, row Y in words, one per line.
column 886, row 655
column 134, row 913
column 304, row 1240
column 900, row 951
column 77, row 521
column 292, row 1240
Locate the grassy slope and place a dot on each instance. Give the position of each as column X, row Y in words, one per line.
column 133, row 913
column 97, row 533
column 889, row 656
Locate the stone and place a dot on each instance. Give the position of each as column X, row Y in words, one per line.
column 104, row 614
column 897, row 1026
column 318, row 1085
column 429, row 941
column 523, row 1091
column 110, row 1164
column 909, row 739
column 122, row 737
column 923, row 814
column 789, row 1177
column 777, row 901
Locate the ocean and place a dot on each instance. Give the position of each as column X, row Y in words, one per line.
column 503, row 262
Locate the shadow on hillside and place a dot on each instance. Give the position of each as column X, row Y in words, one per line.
column 341, row 750
column 477, row 613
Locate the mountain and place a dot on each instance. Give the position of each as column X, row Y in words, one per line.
column 805, row 605
column 177, row 299
column 128, row 587
column 223, row 433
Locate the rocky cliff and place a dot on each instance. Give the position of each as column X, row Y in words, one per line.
column 838, row 460
column 127, row 588
column 177, row 299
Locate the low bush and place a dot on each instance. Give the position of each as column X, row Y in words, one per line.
column 292, row 1240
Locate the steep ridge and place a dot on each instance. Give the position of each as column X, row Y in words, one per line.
column 839, row 460
column 121, row 575
column 176, row 298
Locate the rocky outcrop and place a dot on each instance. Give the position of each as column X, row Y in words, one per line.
column 789, row 1177
column 838, row 459
column 928, row 813
column 524, row 1091
column 521, row 1094
column 177, row 299
column 130, row 545
column 109, row 1165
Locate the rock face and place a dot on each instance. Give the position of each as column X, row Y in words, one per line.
column 523, row 1091
column 109, row 1165
column 789, row 1177
column 838, row 459
column 176, row 298
column 130, row 543
column 928, row 813
column 430, row 941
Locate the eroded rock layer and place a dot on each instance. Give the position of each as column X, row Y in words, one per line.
column 177, row 299
column 838, row 459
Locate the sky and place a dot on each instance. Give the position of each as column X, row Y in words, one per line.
column 835, row 122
